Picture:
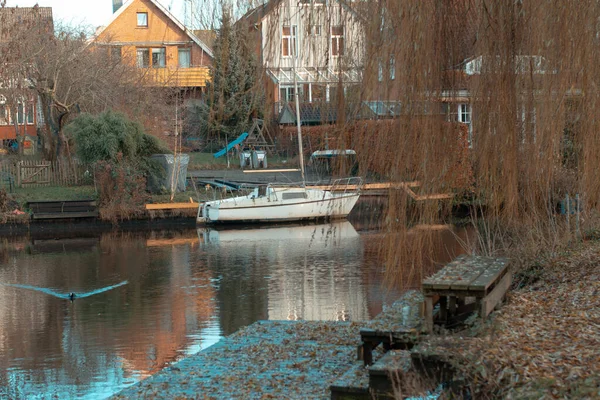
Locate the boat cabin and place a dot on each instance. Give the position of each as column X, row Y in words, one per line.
column 328, row 163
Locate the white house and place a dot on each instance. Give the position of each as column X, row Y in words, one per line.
column 320, row 42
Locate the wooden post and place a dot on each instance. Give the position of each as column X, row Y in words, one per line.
column 452, row 305
column 19, row 173
column 443, row 309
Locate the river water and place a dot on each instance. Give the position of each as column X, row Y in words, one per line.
column 147, row 299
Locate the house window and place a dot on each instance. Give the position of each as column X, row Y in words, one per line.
column 20, row 114
column 464, row 113
column 143, row 58
column 185, row 58
column 392, row 68
column 142, row 19
column 337, row 40
column 380, row 72
column 115, row 53
column 464, row 116
column 4, row 115
column 158, row 57
column 286, row 94
column 288, row 41
column 30, row 113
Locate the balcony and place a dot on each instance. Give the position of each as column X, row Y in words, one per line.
column 176, row 77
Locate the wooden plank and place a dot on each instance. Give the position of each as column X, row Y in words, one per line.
column 172, row 206
column 491, row 274
column 464, row 280
column 171, row 242
column 88, row 214
column 446, row 276
column 491, row 300
column 82, row 201
column 428, row 314
column 254, row 171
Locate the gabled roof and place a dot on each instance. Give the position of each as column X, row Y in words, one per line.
column 256, row 15
column 128, row 3
column 13, row 16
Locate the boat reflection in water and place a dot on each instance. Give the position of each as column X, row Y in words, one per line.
column 313, row 271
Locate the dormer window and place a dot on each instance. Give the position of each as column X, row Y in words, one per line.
column 142, row 20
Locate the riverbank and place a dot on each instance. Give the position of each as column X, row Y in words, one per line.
column 266, row 360
column 543, row 343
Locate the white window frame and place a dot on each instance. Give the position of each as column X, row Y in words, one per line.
column 289, row 42
column 30, row 112
column 143, row 14
column 290, row 92
column 21, row 115
column 140, row 51
column 392, row 68
column 339, row 40
column 159, row 51
column 465, row 116
column 4, row 119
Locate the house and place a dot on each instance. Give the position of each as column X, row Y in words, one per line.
column 317, row 44
column 20, row 108
column 146, row 34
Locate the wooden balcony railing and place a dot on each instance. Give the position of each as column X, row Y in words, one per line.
column 177, row 77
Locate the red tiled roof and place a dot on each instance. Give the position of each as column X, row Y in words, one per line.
column 15, row 17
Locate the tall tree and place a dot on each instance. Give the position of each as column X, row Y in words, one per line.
column 69, row 76
column 233, row 96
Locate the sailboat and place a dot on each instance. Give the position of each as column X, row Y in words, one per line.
column 277, row 202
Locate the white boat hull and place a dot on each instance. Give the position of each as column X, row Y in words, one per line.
column 279, row 204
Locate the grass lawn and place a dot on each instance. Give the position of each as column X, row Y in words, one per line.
column 199, row 161
column 23, row 195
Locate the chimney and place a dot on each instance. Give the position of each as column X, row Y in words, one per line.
column 116, row 5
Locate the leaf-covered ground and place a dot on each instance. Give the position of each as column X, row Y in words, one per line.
column 545, row 342
column 267, row 360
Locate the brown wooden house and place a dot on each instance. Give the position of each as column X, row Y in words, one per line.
column 146, row 34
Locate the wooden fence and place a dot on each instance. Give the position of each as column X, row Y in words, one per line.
column 37, row 173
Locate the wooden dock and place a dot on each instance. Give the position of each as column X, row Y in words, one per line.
column 367, row 188
column 64, row 209
column 172, row 206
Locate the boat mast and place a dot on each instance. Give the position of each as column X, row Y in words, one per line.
column 295, row 49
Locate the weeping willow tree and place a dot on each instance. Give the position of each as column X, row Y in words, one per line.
column 520, row 77
column 491, row 101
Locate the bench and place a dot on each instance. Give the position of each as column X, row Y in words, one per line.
column 484, row 278
column 396, row 327
column 62, row 209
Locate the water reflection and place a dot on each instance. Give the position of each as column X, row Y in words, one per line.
column 185, row 290
column 316, row 276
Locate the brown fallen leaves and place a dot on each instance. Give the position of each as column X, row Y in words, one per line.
column 545, row 342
